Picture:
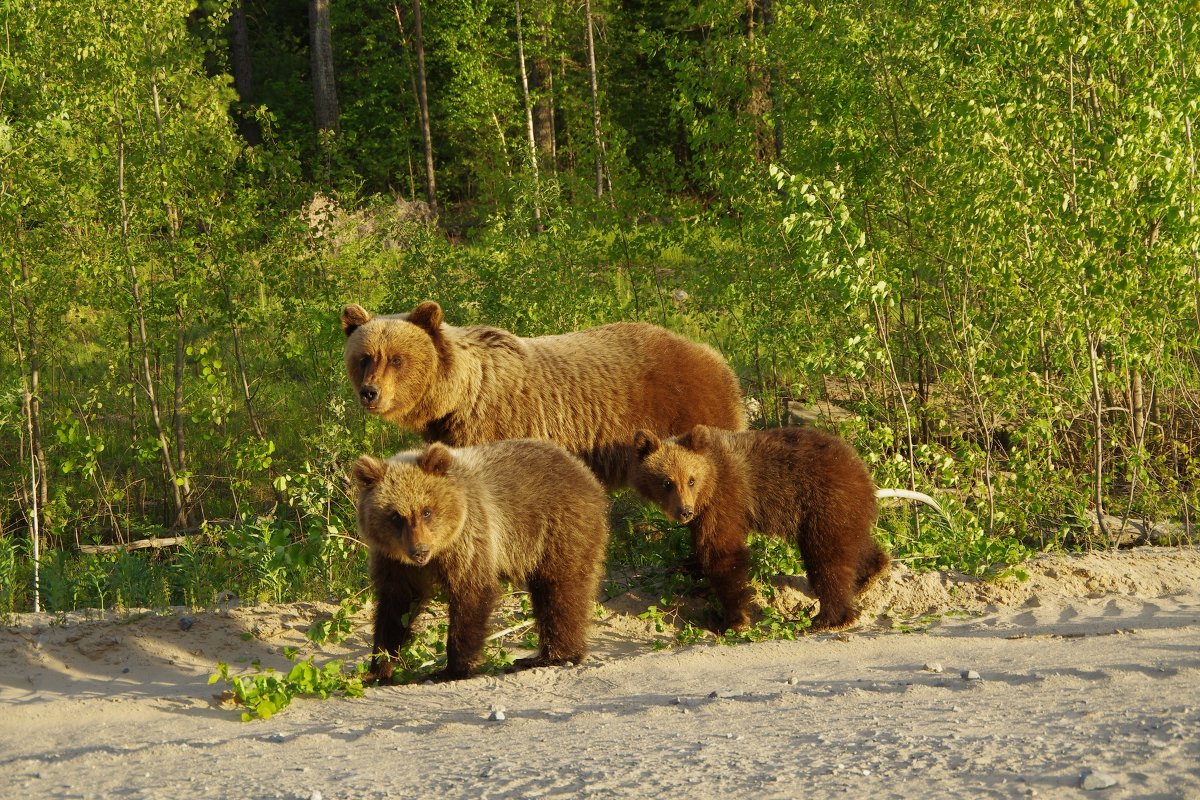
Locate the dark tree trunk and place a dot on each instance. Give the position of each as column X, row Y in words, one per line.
column 423, row 102
column 243, row 73
column 325, row 102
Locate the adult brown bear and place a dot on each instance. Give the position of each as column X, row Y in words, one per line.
column 589, row 391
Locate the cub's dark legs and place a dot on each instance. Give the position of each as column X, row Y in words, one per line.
column 719, row 544
column 471, row 608
column 401, row 593
column 841, row 562
column 564, row 592
column 563, row 610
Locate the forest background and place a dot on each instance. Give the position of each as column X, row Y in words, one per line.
column 965, row 233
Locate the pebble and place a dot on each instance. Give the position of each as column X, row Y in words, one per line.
column 971, row 675
column 792, row 681
column 933, row 666
column 1094, row 779
column 316, row 795
column 185, row 623
column 726, row 695
column 497, row 714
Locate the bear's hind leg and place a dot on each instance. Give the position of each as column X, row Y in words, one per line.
column 562, row 607
column 873, row 562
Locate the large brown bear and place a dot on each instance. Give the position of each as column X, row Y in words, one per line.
column 801, row 484
column 522, row 510
column 588, row 391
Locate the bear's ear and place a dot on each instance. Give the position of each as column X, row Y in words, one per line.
column 645, row 443
column 436, row 460
column 354, row 315
column 697, row 439
column 427, row 315
column 368, row 471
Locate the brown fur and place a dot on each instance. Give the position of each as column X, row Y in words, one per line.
column 588, row 391
column 465, row 519
column 800, row 484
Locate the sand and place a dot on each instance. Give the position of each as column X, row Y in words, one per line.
column 1086, row 674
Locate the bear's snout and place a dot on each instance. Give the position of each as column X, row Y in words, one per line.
column 419, row 554
column 686, row 513
column 369, row 393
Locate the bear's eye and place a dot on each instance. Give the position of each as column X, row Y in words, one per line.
column 364, row 362
column 397, row 519
column 426, row 513
column 691, row 482
column 395, row 361
column 668, row 484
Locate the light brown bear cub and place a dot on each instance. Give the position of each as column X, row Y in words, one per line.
column 465, row 519
column 588, row 391
column 800, row 484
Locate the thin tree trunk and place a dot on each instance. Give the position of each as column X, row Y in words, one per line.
column 423, row 102
column 175, row 222
column 591, row 52
column 143, row 340
column 775, row 76
column 1098, row 432
column 533, row 157
column 412, row 82
column 325, row 100
column 243, row 73
column 31, row 411
column 542, row 79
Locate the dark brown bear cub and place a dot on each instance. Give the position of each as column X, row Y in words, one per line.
column 800, row 484
column 467, row 518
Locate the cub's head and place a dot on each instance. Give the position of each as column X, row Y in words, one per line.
column 392, row 360
column 409, row 509
column 677, row 473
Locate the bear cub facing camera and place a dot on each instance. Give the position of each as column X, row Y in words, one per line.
column 800, row 484
column 468, row 518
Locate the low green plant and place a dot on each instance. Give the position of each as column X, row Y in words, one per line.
column 266, row 692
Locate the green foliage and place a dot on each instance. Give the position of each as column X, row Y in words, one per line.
column 970, row 229
column 266, row 692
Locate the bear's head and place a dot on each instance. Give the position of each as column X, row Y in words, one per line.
column 677, row 473
column 410, row 508
column 392, row 360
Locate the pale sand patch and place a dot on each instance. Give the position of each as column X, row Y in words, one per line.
column 1093, row 663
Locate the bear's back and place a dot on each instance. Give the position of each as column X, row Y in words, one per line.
column 525, row 496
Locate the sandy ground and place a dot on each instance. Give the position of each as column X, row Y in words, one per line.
column 1088, row 676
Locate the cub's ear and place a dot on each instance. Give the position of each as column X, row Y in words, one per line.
column 436, row 460
column 427, row 315
column 368, row 471
column 697, row 439
column 354, row 315
column 645, row 443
